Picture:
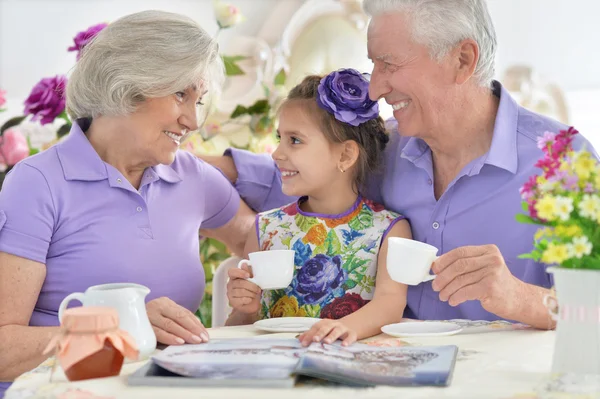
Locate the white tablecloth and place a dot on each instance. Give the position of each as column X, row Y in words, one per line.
column 496, row 360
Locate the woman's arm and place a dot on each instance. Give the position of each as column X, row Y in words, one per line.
column 244, row 296
column 21, row 346
column 386, row 307
column 234, row 233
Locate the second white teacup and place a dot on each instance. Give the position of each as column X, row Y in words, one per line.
column 409, row 261
column 271, row 269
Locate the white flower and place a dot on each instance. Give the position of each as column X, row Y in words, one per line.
column 581, row 246
column 589, row 206
column 564, row 207
column 227, row 15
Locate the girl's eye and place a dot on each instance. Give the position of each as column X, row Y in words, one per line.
column 294, row 140
column 278, row 137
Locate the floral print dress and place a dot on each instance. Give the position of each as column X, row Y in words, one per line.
column 335, row 261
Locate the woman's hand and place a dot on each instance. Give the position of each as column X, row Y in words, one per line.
column 243, row 295
column 328, row 331
column 173, row 324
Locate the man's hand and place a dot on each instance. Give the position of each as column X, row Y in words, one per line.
column 477, row 273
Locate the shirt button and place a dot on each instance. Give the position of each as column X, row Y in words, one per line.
column 139, row 209
column 435, row 225
column 430, row 182
column 119, row 180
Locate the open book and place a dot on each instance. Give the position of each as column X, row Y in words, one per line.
column 278, row 362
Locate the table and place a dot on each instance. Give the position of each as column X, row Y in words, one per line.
column 496, row 360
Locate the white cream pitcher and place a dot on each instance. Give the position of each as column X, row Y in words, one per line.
column 128, row 299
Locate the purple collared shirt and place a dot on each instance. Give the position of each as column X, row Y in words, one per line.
column 78, row 215
column 478, row 207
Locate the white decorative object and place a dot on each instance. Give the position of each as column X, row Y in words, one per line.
column 128, row 299
column 576, row 309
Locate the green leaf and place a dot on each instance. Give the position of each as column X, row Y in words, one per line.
column 331, row 245
column 311, row 310
column 280, row 78
column 239, row 111
column 231, row 66
column 63, row 130
column 11, row 123
column 354, row 263
column 259, row 107
column 521, row 218
column 33, row 151
column 362, row 221
column 349, row 284
column 305, row 223
column 524, row 206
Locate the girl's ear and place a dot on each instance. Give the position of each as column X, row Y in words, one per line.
column 349, row 155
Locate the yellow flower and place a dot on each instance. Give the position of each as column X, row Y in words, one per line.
column 287, row 307
column 564, row 207
column 547, row 208
column 597, row 180
column 589, row 207
column 541, row 233
column 581, row 246
column 567, row 231
column 555, row 253
column 584, row 165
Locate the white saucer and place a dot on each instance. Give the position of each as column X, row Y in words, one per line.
column 286, row 324
column 421, row 329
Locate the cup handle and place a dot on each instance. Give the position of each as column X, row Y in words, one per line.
column 430, row 277
column 78, row 296
column 551, row 303
column 247, row 263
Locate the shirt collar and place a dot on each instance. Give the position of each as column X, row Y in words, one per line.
column 80, row 161
column 503, row 150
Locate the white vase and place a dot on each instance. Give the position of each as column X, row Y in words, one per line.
column 577, row 348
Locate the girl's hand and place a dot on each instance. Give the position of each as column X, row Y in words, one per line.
column 328, row 331
column 243, row 295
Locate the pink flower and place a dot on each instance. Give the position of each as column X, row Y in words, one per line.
column 589, row 188
column 547, row 138
column 2, row 97
column 527, row 191
column 13, row 147
column 531, row 208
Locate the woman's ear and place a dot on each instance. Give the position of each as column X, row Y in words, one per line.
column 349, row 155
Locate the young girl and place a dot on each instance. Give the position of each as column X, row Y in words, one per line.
column 331, row 140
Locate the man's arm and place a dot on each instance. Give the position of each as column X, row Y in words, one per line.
column 255, row 177
column 480, row 273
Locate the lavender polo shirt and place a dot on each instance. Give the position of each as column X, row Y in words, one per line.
column 70, row 210
column 478, row 207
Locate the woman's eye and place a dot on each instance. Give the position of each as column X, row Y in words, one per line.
column 199, row 103
column 180, row 94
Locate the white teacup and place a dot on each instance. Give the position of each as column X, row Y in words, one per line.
column 271, row 269
column 409, row 261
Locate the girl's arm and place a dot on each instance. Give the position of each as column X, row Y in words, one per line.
column 386, row 307
column 244, row 296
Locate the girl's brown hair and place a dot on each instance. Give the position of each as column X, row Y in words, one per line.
column 370, row 136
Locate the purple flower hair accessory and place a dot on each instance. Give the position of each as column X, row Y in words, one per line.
column 84, row 37
column 345, row 94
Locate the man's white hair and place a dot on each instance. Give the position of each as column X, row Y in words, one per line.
column 144, row 55
column 442, row 24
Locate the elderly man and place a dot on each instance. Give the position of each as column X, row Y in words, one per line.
column 463, row 149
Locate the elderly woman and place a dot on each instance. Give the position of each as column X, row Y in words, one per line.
column 116, row 201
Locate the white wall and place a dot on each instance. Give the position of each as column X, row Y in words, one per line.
column 559, row 38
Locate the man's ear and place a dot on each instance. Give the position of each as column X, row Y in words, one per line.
column 467, row 56
column 349, row 155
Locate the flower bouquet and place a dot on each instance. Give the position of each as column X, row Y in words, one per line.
column 565, row 201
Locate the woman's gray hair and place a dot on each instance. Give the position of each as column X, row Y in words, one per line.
column 143, row 55
column 442, row 24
